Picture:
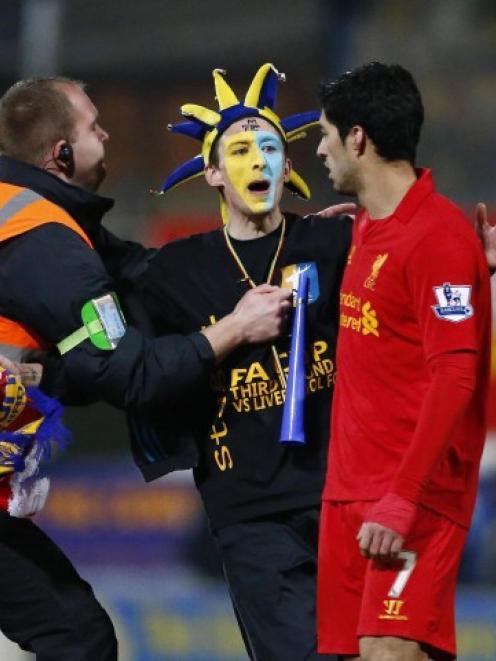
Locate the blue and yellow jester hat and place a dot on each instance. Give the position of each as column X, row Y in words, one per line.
column 208, row 125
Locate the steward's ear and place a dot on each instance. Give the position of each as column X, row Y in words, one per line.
column 51, row 159
column 214, row 176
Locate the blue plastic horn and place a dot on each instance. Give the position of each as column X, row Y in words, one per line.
column 292, row 428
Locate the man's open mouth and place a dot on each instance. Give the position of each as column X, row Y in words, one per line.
column 259, row 186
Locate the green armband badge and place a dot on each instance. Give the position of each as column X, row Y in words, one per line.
column 103, row 324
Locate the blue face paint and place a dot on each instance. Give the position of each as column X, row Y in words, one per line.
column 272, row 150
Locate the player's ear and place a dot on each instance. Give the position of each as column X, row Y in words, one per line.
column 357, row 139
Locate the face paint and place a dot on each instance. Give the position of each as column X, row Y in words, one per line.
column 254, row 163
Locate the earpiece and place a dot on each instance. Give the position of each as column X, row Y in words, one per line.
column 66, row 155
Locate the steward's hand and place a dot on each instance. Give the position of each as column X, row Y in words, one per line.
column 262, row 313
column 258, row 317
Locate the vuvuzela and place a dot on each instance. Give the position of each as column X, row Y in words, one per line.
column 292, row 428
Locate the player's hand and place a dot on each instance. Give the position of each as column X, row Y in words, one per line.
column 348, row 208
column 262, row 313
column 378, row 542
column 486, row 233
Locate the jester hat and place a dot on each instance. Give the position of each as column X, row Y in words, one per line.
column 208, row 125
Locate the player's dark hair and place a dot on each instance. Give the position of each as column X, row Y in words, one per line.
column 384, row 100
column 35, row 114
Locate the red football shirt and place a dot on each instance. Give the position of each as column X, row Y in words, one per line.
column 416, row 287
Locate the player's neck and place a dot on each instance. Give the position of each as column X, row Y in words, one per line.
column 384, row 186
column 244, row 226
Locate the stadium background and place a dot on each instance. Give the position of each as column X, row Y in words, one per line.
column 145, row 547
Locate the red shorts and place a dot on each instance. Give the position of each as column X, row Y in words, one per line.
column 411, row 598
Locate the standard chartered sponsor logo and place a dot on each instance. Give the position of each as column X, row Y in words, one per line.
column 362, row 318
column 370, row 324
column 350, row 301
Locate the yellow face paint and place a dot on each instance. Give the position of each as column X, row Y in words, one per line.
column 254, row 165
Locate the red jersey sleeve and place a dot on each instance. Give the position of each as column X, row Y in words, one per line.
column 443, row 273
column 445, row 280
column 453, row 382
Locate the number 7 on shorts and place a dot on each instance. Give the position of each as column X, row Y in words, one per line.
column 410, row 558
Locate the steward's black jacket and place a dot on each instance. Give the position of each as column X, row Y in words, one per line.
column 48, row 273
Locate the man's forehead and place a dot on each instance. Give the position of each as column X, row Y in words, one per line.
column 249, row 138
column 250, row 124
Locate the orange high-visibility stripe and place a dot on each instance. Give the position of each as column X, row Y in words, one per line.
column 17, row 335
column 27, row 217
column 39, row 212
column 7, row 191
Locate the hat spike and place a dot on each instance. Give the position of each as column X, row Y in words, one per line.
column 263, row 88
column 223, row 93
column 201, row 114
column 298, row 186
column 194, row 129
column 185, row 172
column 300, row 121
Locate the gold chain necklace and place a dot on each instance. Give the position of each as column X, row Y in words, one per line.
column 247, row 278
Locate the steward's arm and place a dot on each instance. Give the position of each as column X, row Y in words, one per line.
column 124, row 261
column 48, row 275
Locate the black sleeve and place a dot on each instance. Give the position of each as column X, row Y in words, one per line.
column 158, row 292
column 47, row 275
column 124, row 261
column 160, row 309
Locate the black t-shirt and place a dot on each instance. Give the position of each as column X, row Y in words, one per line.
column 244, row 471
column 257, row 254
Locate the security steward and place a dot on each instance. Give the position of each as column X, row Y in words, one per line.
column 56, row 295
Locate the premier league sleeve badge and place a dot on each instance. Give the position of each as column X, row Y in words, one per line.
column 453, row 302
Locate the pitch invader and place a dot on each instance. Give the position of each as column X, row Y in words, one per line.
column 261, row 497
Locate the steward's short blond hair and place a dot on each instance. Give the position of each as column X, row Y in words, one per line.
column 34, row 115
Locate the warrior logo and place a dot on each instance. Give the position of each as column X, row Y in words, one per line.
column 392, row 610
